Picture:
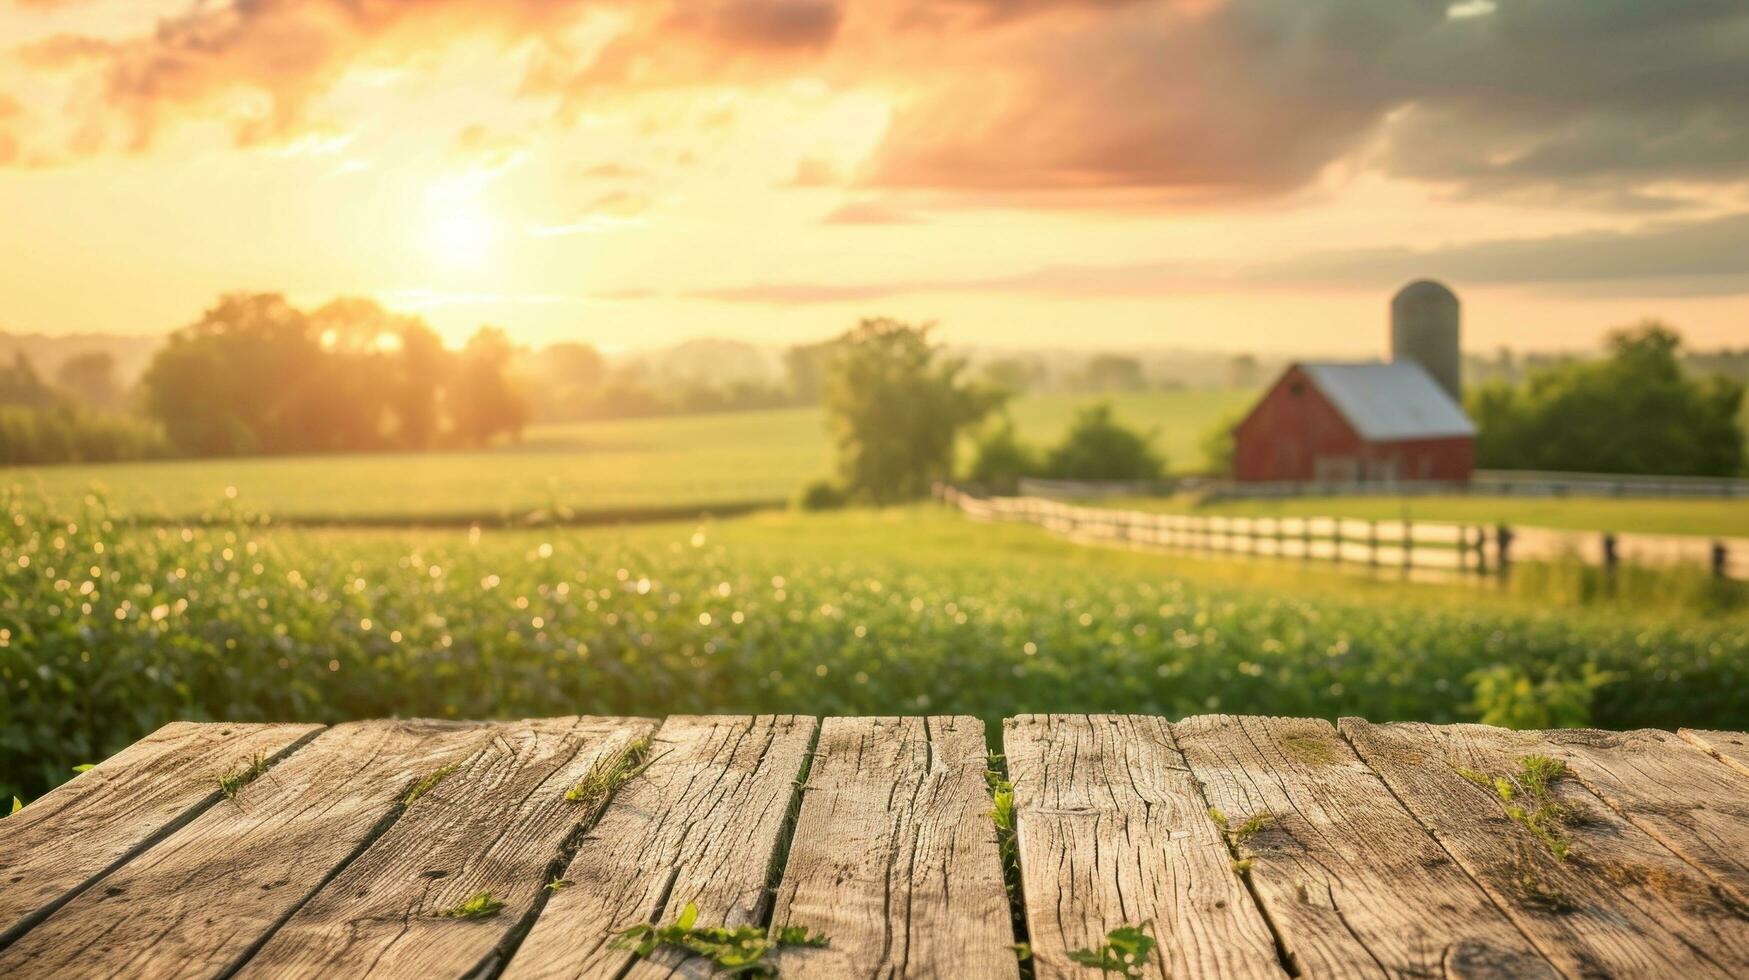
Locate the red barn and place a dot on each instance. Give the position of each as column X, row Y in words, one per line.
column 1344, row 423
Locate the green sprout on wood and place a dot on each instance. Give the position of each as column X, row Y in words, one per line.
column 427, row 783
column 558, row 883
column 736, row 952
column 478, row 906
column 1124, row 952
column 1528, row 799
column 610, row 773
column 17, row 805
column 230, row 783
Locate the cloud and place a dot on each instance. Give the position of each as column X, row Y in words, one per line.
column 1601, row 104
column 1707, row 257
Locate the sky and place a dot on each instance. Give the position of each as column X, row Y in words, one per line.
column 1220, row 174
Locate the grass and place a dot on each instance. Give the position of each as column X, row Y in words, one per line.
column 232, row 782
column 1725, row 518
column 559, row 471
column 610, row 773
column 428, row 782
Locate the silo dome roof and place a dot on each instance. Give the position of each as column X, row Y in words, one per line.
column 1424, row 290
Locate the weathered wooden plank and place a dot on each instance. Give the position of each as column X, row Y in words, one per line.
column 1666, row 787
column 75, row 833
column 198, row 901
column 895, row 855
column 1731, row 748
column 1619, row 904
column 495, row 825
column 704, row 823
column 1113, row 831
column 1351, row 882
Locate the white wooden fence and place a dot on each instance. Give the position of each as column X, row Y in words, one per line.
column 1410, row 545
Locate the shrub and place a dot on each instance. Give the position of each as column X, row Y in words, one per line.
column 1098, row 447
column 821, row 495
column 1000, row 459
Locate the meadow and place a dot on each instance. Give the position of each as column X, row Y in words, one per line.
column 1721, row 518
column 624, row 467
column 107, row 631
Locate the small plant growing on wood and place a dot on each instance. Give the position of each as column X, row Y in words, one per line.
column 427, row 783
column 17, row 805
column 1235, row 837
column 1526, row 795
column 478, row 906
column 558, row 883
column 610, row 773
column 736, row 952
column 1124, row 952
column 231, row 782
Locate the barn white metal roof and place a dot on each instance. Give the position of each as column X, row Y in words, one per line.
column 1390, row 401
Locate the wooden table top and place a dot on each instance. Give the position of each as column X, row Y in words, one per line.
column 1241, row 846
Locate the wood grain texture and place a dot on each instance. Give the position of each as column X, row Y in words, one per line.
column 494, row 825
column 1666, row 787
column 1731, row 748
column 1353, row 884
column 80, row 830
column 1114, row 831
column 196, row 903
column 1621, row 904
column 895, row 855
column 703, row 823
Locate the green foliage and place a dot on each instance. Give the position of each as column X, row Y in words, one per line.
column 1636, row 411
column 17, row 805
column 1000, row 459
column 1124, row 952
column 108, row 631
column 736, row 952
column 480, row 905
column 1097, row 447
column 1508, row 696
column 822, row 494
column 896, row 408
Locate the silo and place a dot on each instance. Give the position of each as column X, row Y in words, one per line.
column 1424, row 328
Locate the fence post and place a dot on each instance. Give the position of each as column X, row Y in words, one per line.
column 1720, row 557
column 1408, row 545
column 1372, row 543
column 1503, row 548
column 1610, row 558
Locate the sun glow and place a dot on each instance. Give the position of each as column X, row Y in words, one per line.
column 459, row 231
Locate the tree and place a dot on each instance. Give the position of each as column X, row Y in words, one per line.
column 486, row 402
column 896, row 408
column 1219, row 443
column 1635, row 411
column 1114, row 372
column 1015, row 374
column 1242, row 371
column 1097, row 447
column 91, row 378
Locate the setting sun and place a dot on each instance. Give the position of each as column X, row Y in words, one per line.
column 459, row 232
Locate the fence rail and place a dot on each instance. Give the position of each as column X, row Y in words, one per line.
column 1485, row 483
column 1410, row 545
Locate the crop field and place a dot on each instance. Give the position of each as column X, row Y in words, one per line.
column 106, row 633
column 629, row 465
column 1725, row 518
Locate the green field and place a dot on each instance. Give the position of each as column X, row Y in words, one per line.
column 636, row 464
column 105, row 634
column 1723, row 518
